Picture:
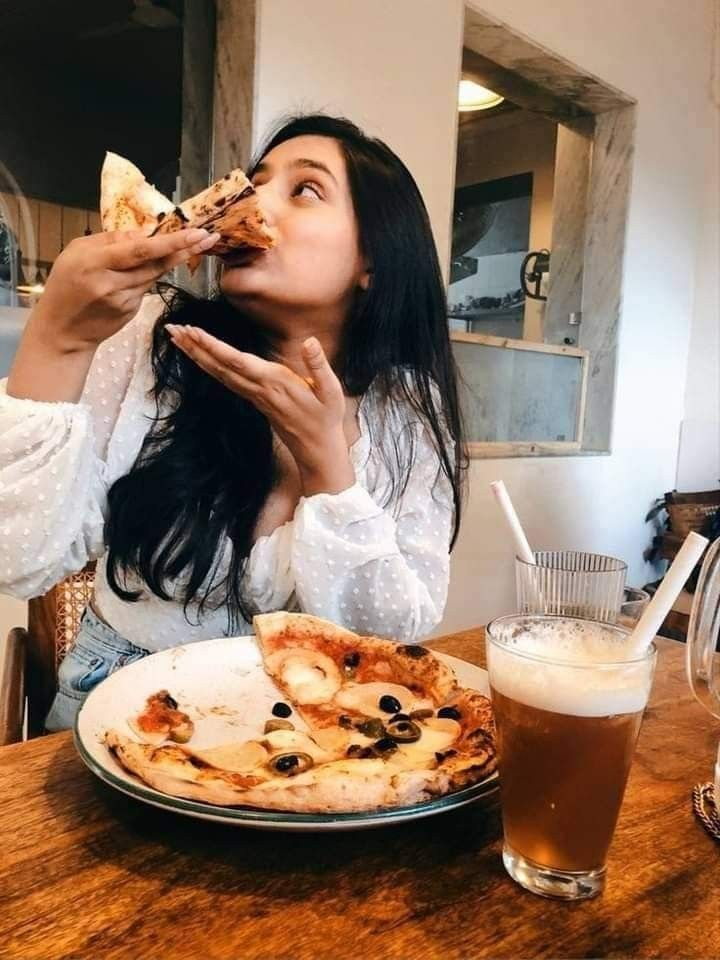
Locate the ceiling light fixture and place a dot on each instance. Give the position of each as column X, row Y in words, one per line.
column 471, row 96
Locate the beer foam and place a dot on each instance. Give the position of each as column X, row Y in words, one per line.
column 568, row 687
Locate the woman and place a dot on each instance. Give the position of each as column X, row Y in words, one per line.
column 291, row 443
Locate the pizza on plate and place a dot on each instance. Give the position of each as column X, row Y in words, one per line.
column 364, row 724
column 229, row 207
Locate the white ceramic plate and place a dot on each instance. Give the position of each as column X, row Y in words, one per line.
column 231, row 698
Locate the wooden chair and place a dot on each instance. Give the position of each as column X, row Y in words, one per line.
column 31, row 657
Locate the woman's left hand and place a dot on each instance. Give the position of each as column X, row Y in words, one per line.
column 306, row 414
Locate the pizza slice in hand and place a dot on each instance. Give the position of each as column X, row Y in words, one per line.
column 229, row 207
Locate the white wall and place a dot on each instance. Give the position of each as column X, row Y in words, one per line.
column 658, row 52
column 385, row 65
column 699, row 457
column 394, row 68
column 13, row 613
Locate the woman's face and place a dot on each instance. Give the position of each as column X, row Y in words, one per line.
column 316, row 264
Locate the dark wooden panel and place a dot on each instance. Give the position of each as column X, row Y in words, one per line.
column 40, row 670
column 198, row 71
column 12, row 691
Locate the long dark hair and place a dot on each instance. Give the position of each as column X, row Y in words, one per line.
column 207, row 465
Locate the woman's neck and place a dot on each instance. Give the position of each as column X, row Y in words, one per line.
column 288, row 350
column 286, row 329
column 286, row 339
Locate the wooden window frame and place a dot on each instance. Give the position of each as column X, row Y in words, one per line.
column 488, row 449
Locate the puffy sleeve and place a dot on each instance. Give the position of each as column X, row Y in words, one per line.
column 374, row 569
column 58, row 461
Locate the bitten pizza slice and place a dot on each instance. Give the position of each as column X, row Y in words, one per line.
column 228, row 207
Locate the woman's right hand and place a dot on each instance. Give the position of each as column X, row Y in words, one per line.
column 97, row 283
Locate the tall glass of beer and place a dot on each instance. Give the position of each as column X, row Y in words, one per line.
column 568, row 704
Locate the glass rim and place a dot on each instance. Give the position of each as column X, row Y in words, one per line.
column 643, row 595
column 649, row 655
column 620, row 565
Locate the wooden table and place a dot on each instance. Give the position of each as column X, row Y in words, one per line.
column 88, row 873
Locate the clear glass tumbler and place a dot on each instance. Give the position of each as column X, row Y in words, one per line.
column 703, row 643
column 568, row 707
column 633, row 606
column 571, row 583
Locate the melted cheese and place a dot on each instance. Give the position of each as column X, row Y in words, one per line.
column 295, row 741
column 154, row 737
column 309, row 677
column 438, row 734
column 336, row 740
column 364, row 698
column 236, row 757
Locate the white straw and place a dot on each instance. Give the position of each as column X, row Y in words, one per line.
column 666, row 594
column 505, row 504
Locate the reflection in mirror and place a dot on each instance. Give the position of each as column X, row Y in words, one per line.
column 505, row 171
column 490, row 242
column 499, row 272
column 542, row 188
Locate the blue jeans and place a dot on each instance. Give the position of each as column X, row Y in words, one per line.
column 97, row 652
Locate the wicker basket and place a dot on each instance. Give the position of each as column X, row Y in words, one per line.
column 688, row 511
column 72, row 595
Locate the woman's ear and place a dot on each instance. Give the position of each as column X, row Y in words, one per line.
column 365, row 279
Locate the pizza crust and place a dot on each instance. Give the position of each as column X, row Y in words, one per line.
column 127, row 200
column 340, row 786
